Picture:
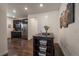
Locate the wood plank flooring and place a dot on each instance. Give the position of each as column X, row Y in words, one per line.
column 21, row 47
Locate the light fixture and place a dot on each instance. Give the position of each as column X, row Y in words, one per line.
column 26, row 8
column 13, row 16
column 46, row 16
column 41, row 5
column 14, row 11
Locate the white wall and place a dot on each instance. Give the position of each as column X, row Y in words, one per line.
column 48, row 18
column 9, row 22
column 3, row 31
column 69, row 37
column 32, row 27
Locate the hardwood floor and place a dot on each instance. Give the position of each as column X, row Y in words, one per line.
column 21, row 47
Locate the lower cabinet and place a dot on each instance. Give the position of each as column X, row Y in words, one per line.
column 16, row 34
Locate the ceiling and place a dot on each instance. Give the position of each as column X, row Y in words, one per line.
column 33, row 8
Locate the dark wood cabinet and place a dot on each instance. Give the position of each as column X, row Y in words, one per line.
column 43, row 45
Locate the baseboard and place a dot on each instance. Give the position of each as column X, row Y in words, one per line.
column 66, row 52
column 4, row 53
column 62, row 49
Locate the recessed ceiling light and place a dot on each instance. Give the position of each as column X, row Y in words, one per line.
column 14, row 11
column 13, row 16
column 26, row 8
column 46, row 16
column 41, row 5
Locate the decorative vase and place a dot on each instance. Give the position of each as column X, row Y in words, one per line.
column 46, row 29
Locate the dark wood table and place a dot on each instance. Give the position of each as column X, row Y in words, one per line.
column 49, row 45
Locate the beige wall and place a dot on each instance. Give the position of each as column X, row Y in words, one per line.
column 3, row 31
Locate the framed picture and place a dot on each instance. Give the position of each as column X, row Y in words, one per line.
column 68, row 15
column 71, row 9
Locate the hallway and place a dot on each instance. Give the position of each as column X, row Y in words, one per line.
column 54, row 16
